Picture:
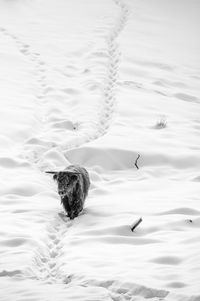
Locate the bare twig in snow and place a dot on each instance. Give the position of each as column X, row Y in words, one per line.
column 135, row 224
column 137, row 161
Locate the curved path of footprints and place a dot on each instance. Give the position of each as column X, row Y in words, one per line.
column 45, row 262
column 45, row 266
column 40, row 72
column 109, row 100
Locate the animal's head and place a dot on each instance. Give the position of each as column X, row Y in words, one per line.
column 64, row 179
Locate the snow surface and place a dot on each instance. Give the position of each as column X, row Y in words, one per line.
column 97, row 83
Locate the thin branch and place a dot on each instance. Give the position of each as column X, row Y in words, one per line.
column 135, row 224
column 137, row 161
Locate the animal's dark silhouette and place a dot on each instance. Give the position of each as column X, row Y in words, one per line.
column 73, row 185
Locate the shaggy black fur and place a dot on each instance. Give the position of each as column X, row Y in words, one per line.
column 73, row 185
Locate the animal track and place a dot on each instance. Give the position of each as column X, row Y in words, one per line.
column 109, row 101
column 41, row 79
column 46, row 262
column 108, row 105
column 46, row 266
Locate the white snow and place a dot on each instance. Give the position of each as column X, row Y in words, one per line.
column 96, row 83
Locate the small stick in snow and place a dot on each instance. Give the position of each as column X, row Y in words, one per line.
column 136, row 161
column 135, row 224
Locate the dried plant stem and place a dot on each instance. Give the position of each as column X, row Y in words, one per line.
column 137, row 161
column 135, row 224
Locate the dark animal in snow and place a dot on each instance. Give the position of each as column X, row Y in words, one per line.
column 73, row 185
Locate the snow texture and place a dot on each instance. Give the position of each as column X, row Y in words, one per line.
column 97, row 83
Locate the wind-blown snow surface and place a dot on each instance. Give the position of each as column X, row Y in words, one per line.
column 97, row 83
